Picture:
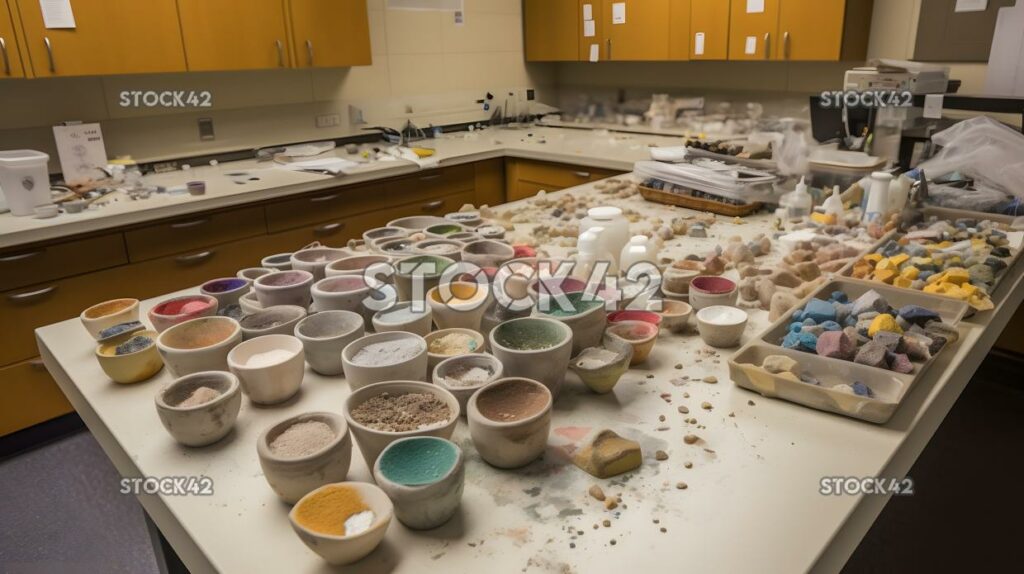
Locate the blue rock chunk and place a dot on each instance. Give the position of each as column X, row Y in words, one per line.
column 862, row 390
column 820, row 311
column 796, row 327
column 119, row 328
column 791, row 340
column 890, row 248
column 917, row 315
column 807, row 342
column 831, row 326
column 839, row 297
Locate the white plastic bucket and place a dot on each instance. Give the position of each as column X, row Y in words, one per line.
column 25, row 180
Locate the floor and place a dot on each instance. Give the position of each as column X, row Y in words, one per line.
column 62, row 511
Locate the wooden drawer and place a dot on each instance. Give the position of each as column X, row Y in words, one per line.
column 431, row 183
column 556, row 176
column 523, row 189
column 319, row 207
column 489, row 185
column 31, row 396
column 195, row 232
column 21, row 267
column 334, row 233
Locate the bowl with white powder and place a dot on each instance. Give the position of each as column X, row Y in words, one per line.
column 270, row 368
column 390, row 356
column 463, row 375
column 201, row 408
column 445, row 343
column 305, row 452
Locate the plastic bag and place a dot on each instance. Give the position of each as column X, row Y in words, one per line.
column 981, row 148
column 982, row 199
column 792, row 154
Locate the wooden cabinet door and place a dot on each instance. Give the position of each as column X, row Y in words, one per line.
column 709, row 29
column 552, row 30
column 679, row 13
column 643, row 36
column 330, row 33
column 234, row 34
column 752, row 36
column 811, row 29
column 110, row 37
column 10, row 57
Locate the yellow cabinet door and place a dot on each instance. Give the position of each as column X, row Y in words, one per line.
column 330, row 33
column 10, row 57
column 709, row 29
column 811, row 29
column 552, row 30
column 644, row 34
column 592, row 36
column 109, row 37
column 679, row 13
column 234, row 34
column 752, row 35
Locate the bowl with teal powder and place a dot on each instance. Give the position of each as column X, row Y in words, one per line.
column 424, row 478
column 583, row 313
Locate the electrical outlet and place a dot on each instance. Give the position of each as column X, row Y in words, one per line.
column 206, row 129
column 328, row 120
column 531, row 95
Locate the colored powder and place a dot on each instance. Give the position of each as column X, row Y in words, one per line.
column 402, row 413
column 225, row 286
column 302, row 439
column 418, row 462
column 193, row 307
column 119, row 328
column 403, row 314
column 466, row 376
column 577, row 305
column 108, row 308
column 200, row 396
column 328, row 511
column 359, row 522
column 528, row 335
column 283, row 278
column 388, row 352
column 268, row 358
column 133, row 345
column 453, row 344
column 182, row 307
column 512, row 401
column 595, row 358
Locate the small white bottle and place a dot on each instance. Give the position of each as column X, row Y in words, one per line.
column 798, row 203
column 877, row 206
column 833, row 205
column 615, row 235
column 588, row 254
column 638, row 249
column 899, row 192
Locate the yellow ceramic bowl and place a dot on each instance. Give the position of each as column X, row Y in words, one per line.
column 133, row 367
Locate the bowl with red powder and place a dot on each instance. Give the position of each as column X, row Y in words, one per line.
column 176, row 310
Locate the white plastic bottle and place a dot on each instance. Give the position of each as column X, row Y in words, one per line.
column 798, row 203
column 638, row 249
column 834, row 204
column 587, row 254
column 899, row 192
column 877, row 206
column 615, row 235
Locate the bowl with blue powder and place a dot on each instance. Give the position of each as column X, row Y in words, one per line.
column 132, row 359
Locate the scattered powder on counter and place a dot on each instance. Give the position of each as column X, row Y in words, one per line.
column 595, row 358
column 388, row 353
column 302, row 439
column 468, row 376
column 133, row 345
column 268, row 358
column 453, row 344
column 200, row 396
column 332, row 510
column 511, row 401
column 402, row 413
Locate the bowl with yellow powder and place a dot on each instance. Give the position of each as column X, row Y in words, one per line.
column 132, row 359
column 201, row 408
column 459, row 304
column 446, row 343
column 342, row 522
column 305, row 452
column 424, row 477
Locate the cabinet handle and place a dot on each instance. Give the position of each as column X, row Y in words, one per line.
column 433, row 205
column 280, row 53
column 49, row 54
column 37, row 364
column 767, row 39
column 188, row 224
column 323, row 198
column 31, row 296
column 583, row 174
column 193, row 259
column 609, row 56
column 3, row 52
column 21, row 256
column 328, row 228
column 430, row 177
column 785, row 45
column 309, row 51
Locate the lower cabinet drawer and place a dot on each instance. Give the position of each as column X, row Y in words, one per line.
column 194, row 232
column 31, row 396
column 556, row 176
column 21, row 267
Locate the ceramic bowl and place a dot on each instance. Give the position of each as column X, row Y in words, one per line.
column 394, row 247
column 270, row 380
column 448, row 375
column 249, row 303
column 294, row 477
column 678, row 280
column 443, row 247
column 675, row 315
column 109, row 313
column 424, row 478
column 584, row 315
column 494, row 232
column 465, row 236
column 634, row 315
column 324, row 335
column 458, row 304
column 343, row 293
column 315, row 260
column 372, row 441
column 401, row 317
column 205, row 423
column 477, row 345
column 360, row 375
column 416, row 222
column 509, row 421
column 378, row 233
column 131, row 367
column 284, row 288
column 170, row 312
column 278, row 320
column 199, row 345
column 417, row 270
column 600, row 368
column 253, row 273
column 708, row 290
column 356, row 265
column 279, row 262
column 443, row 230
column 487, row 253
column 341, row 550
column 721, row 326
column 468, row 219
column 227, row 291
column 545, row 288
column 640, row 334
column 537, row 348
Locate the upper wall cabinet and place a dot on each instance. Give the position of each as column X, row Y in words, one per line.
column 679, row 16
column 636, row 29
column 799, row 30
column 109, row 37
column 753, row 25
column 552, row 29
column 330, row 33
column 234, row 34
column 709, row 29
column 10, row 57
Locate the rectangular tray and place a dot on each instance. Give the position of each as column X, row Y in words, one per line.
column 696, row 203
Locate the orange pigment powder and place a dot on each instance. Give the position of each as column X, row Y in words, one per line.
column 327, row 511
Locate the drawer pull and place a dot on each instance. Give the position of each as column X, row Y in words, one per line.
column 433, row 205
column 195, row 258
column 328, row 228
column 37, row 364
column 323, row 198
column 584, row 174
column 430, row 177
column 188, row 224
column 7, row 60
column 21, row 256
column 49, row 54
column 32, row 296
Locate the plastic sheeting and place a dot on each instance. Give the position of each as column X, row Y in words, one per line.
column 981, row 148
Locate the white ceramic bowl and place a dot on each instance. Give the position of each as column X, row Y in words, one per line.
column 324, row 335
column 205, row 423
column 340, row 550
column 361, row 375
column 294, row 477
column 721, row 326
column 478, row 345
column 315, row 260
column 284, row 288
column 170, row 312
column 459, row 304
column 278, row 262
column 277, row 320
column 272, row 381
column 226, row 290
column 199, row 345
column 536, row 348
column 416, row 222
column 109, row 313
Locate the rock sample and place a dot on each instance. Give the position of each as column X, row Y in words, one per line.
column 607, row 454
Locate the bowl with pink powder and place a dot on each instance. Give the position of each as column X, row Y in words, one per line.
column 201, row 408
column 176, row 310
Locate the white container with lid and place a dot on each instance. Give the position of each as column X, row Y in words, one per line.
column 615, row 235
column 24, row 180
column 877, row 206
column 639, row 249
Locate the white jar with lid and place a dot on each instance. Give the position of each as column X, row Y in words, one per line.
column 615, row 235
column 25, row 180
column 639, row 249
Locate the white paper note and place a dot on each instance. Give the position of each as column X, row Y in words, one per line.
column 698, row 44
column 588, row 12
column 755, row 6
column 595, row 52
column 619, row 13
column 750, row 47
column 81, row 152
column 57, row 14
column 933, row 106
column 970, row 6
column 589, row 29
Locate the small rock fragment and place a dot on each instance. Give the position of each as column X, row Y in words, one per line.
column 710, row 379
column 681, row 485
column 661, row 455
column 691, row 438
column 608, row 454
column 596, row 492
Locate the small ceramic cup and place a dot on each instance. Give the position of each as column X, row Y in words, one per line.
column 341, row 550
column 708, row 290
column 324, row 335
column 315, row 260
column 458, row 304
column 204, row 423
column 536, row 348
column 635, row 315
column 600, row 368
column 424, row 478
column 416, row 222
column 384, row 366
column 372, row 441
column 199, row 345
column 678, row 280
column 401, row 317
column 249, row 303
column 253, row 273
column 393, row 247
column 278, row 320
column 380, row 233
column 487, row 253
column 509, row 421
column 343, row 293
column 170, row 312
column 463, row 375
column 227, row 291
column 109, row 313
column 419, row 270
column 295, row 476
column 721, row 326
column 675, row 315
column 477, row 344
column 443, row 230
column 278, row 262
column 640, row 334
column 584, row 315
column 436, row 246
column 284, row 288
column 468, row 219
column 270, row 368
column 355, row 265
column 139, row 364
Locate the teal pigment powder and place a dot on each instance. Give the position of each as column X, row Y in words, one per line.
column 418, row 462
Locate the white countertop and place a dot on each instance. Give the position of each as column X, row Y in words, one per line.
column 753, row 504
column 583, row 147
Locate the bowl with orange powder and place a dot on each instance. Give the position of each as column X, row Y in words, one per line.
column 342, row 522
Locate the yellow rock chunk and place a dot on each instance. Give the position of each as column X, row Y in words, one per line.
column 884, row 322
column 873, row 257
column 884, row 275
column 899, row 259
column 921, row 261
column 910, row 272
column 886, row 265
column 957, row 275
column 903, row 282
column 823, row 218
column 608, row 454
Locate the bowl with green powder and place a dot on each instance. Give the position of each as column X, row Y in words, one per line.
column 424, row 478
column 585, row 314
